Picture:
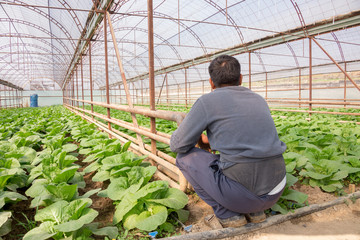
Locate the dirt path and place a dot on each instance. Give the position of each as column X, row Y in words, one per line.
column 335, row 223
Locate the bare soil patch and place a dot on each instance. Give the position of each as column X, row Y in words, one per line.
column 337, row 222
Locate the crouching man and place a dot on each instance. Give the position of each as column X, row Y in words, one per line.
column 248, row 176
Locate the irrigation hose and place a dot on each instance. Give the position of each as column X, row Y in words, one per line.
column 250, row 227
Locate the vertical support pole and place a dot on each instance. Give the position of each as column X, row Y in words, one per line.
column 91, row 82
column 0, row 96
column 310, row 75
column 73, row 90
column 134, row 93
column 266, row 86
column 77, row 88
column 203, row 90
column 300, row 88
column 178, row 94
column 142, row 93
column 189, row 92
column 107, row 70
column 120, row 94
column 82, row 82
column 345, row 86
column 167, row 90
column 151, row 70
column 186, row 96
column 249, row 69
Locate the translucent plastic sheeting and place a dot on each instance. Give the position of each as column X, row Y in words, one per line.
column 38, row 39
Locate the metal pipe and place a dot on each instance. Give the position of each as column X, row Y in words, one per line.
column 310, row 75
column 77, row 86
column 143, row 151
column 186, row 97
column 332, row 59
column 82, row 81
column 151, row 70
column 249, row 69
column 167, row 115
column 299, row 86
column 124, row 125
column 107, row 69
column 91, row 81
column 128, row 97
column 307, row 111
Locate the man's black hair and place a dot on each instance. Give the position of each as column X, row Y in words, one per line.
column 225, row 69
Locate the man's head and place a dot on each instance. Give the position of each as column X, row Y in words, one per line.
column 224, row 70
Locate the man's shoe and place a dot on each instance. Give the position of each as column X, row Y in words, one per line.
column 212, row 221
column 256, row 217
column 235, row 221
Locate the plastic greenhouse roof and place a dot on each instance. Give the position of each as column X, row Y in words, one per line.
column 41, row 41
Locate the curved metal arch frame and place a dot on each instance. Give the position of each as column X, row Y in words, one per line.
column 155, row 35
column 32, row 79
column 42, row 13
column 339, row 46
column 72, row 14
column 158, row 36
column 27, row 44
column 38, row 28
column 46, row 43
column 24, row 45
column 118, row 18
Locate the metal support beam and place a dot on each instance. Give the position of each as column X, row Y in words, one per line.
column 122, row 72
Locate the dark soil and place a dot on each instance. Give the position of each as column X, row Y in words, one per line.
column 22, row 215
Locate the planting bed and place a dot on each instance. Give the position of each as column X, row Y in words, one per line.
column 49, row 158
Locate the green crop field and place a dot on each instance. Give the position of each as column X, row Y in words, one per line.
column 43, row 150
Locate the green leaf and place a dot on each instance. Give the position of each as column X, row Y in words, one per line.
column 70, row 147
column 290, row 167
column 339, row 175
column 6, row 196
column 295, row 196
column 278, row 208
column 63, row 191
column 5, row 223
column 88, row 215
column 66, row 174
column 101, row 176
column 183, row 214
column 37, row 188
column 85, row 151
column 126, row 146
column 53, row 213
column 290, row 180
column 130, row 200
column 90, row 193
column 111, row 232
column 317, row 176
column 40, row 233
column 173, row 198
column 148, row 220
column 117, row 188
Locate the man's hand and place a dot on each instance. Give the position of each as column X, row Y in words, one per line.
column 203, row 143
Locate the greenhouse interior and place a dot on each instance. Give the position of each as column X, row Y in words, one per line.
column 92, row 91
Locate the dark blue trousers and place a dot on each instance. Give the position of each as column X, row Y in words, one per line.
column 226, row 196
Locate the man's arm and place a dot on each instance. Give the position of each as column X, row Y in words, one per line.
column 189, row 131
